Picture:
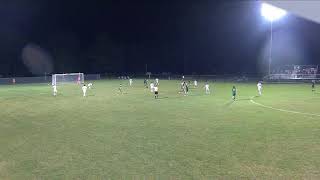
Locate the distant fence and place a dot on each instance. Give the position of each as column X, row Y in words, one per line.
column 41, row 79
column 219, row 78
column 293, row 76
column 92, row 77
column 223, row 78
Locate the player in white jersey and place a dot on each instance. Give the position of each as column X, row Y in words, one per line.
column 157, row 81
column 90, row 85
column 55, row 91
column 152, row 87
column 207, row 88
column 259, row 85
column 195, row 83
column 156, row 93
column 130, row 82
column 84, row 90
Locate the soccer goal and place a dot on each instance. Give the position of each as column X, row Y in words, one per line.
column 74, row 78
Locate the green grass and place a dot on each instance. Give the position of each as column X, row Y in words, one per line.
column 133, row 136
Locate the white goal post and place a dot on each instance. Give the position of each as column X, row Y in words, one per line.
column 75, row 78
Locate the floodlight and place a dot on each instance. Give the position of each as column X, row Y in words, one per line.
column 272, row 13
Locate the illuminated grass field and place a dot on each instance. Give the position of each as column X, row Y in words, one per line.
column 133, row 136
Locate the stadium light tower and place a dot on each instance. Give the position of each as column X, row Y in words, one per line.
column 271, row 13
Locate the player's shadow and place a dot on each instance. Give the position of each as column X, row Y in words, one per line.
column 181, row 96
column 119, row 93
column 198, row 95
column 254, row 97
column 244, row 99
column 176, row 97
column 229, row 103
column 166, row 97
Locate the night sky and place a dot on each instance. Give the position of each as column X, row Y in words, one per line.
column 121, row 36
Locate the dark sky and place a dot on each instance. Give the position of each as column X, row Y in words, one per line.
column 118, row 36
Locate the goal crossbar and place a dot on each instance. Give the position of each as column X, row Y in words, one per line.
column 76, row 78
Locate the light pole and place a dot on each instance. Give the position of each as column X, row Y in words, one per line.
column 271, row 13
column 270, row 51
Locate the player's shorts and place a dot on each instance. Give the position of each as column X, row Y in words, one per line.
column 156, row 92
column 234, row 94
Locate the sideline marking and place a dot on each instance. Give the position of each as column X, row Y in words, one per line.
column 282, row 110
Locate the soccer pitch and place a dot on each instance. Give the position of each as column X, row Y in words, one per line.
column 108, row 135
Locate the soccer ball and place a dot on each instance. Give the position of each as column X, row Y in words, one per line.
column 90, row 85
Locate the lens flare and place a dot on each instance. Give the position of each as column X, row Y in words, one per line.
column 37, row 60
column 272, row 13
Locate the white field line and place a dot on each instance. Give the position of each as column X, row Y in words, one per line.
column 283, row 110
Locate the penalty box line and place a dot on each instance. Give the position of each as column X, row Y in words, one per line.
column 282, row 110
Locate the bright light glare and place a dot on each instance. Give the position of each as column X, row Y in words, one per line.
column 272, row 13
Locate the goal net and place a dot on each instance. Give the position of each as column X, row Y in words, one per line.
column 74, row 78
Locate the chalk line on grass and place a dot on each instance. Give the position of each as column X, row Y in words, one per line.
column 283, row 110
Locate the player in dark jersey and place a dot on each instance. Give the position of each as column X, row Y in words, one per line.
column 234, row 93
column 313, row 85
column 187, row 88
column 145, row 82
